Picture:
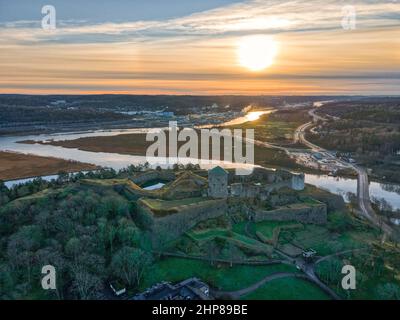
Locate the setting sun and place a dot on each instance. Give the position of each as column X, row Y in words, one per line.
column 257, row 53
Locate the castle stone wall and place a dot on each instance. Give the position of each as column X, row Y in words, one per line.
column 297, row 182
column 316, row 214
column 269, row 180
column 175, row 225
column 147, row 176
column 218, row 186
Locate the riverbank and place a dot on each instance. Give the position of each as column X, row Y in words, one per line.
column 135, row 144
column 130, row 144
column 19, row 166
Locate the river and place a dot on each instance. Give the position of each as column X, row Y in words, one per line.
column 336, row 185
column 341, row 186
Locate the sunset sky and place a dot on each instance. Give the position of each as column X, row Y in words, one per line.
column 192, row 47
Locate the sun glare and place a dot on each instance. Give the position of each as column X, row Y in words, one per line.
column 257, row 53
column 255, row 115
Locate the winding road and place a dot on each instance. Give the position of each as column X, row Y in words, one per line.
column 307, row 268
column 235, row 295
column 309, row 274
column 363, row 196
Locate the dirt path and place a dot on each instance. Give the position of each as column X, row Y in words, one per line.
column 245, row 291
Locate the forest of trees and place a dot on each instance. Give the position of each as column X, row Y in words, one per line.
column 95, row 236
column 90, row 108
column 369, row 131
column 330, row 272
column 43, row 114
column 90, row 236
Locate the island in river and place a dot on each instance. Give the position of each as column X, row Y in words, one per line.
column 17, row 165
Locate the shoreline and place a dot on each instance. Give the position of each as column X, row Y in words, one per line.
column 109, row 144
column 18, row 166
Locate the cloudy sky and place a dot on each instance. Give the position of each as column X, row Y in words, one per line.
column 192, row 47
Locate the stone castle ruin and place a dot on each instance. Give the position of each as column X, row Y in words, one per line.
column 259, row 184
column 188, row 198
column 218, row 183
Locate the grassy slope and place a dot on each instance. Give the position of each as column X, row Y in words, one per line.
column 287, row 289
column 220, row 277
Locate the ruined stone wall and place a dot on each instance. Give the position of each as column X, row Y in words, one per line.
column 316, row 214
column 244, row 187
column 298, row 182
column 278, row 185
column 174, row 225
column 250, row 190
column 218, row 186
column 243, row 190
column 147, row 176
column 282, row 198
column 258, row 175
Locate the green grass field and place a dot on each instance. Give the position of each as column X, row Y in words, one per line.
column 210, row 234
column 273, row 128
column 267, row 227
column 219, row 277
column 310, row 201
column 237, row 239
column 287, row 289
column 320, row 238
column 324, row 242
column 239, row 227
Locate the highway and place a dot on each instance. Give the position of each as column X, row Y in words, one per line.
column 300, row 131
column 363, row 196
column 364, row 201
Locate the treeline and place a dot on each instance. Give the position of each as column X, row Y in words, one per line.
column 297, row 115
column 63, row 178
column 385, row 284
column 43, row 115
column 358, row 137
column 91, row 236
column 377, row 110
column 368, row 129
column 374, row 147
column 181, row 105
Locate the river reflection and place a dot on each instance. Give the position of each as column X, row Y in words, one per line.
column 340, row 186
column 251, row 116
column 248, row 117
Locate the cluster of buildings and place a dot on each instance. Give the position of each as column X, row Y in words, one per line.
column 212, row 194
column 259, row 184
column 189, row 289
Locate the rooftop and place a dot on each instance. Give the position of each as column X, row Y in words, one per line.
column 218, row 171
column 190, row 289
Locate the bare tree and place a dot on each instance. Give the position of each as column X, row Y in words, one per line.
column 85, row 284
column 129, row 264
